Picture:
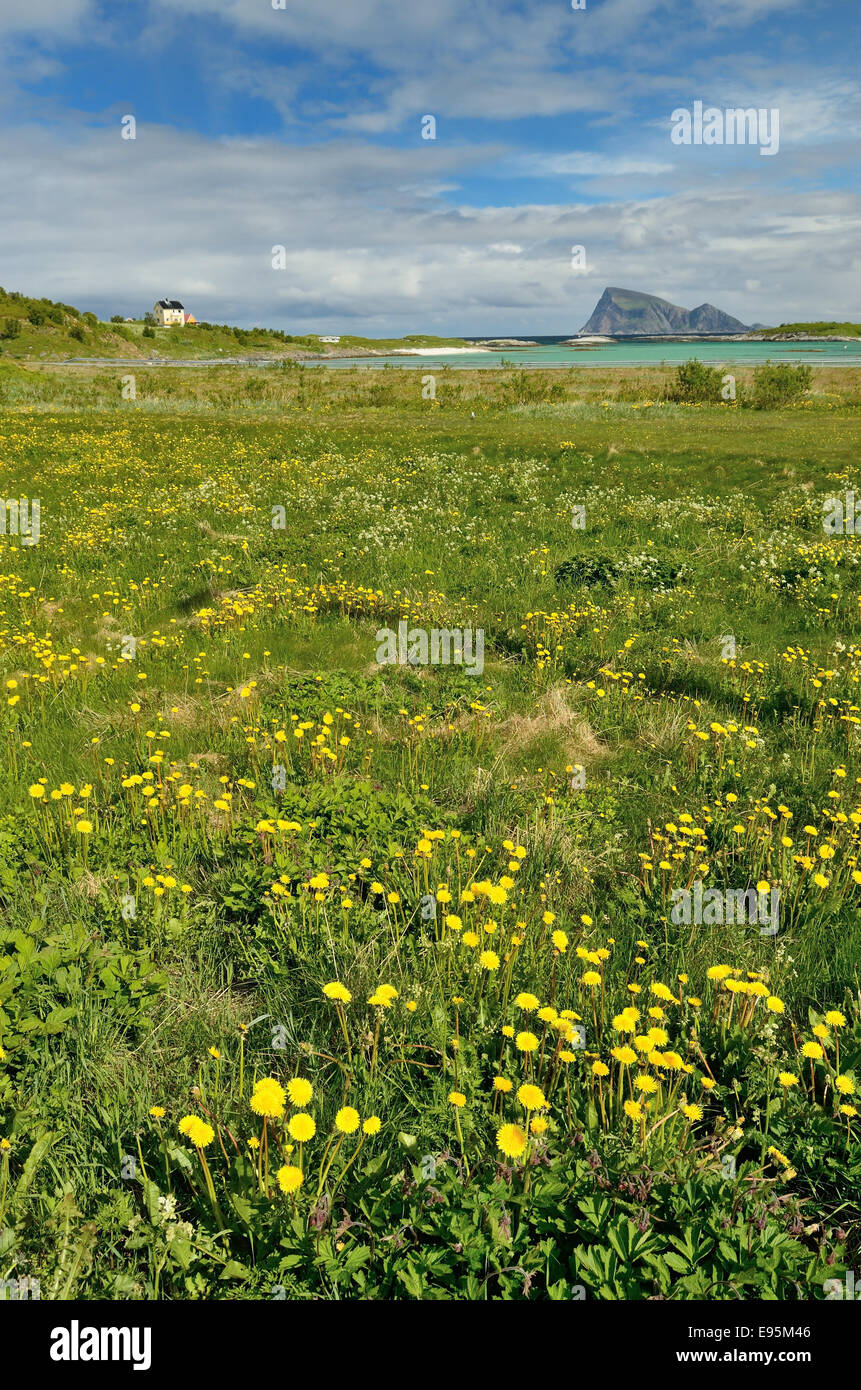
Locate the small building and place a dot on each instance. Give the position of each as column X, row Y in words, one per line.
column 169, row 313
column 330, row 339
column 189, row 318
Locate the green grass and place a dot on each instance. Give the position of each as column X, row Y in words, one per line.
column 170, row 928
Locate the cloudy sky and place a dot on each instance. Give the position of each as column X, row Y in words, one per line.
column 302, row 127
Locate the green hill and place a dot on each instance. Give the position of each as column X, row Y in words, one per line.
column 35, row 328
column 822, row 326
column 39, row 329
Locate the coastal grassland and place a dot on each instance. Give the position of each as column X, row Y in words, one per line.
column 238, row 852
column 390, row 393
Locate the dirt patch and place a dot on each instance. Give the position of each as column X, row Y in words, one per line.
column 183, row 714
column 214, row 535
column 554, row 715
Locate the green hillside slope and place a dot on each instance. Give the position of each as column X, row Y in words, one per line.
column 33, row 329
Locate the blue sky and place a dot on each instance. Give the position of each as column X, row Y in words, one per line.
column 301, row 127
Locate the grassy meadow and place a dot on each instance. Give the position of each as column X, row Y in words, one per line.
column 325, row 978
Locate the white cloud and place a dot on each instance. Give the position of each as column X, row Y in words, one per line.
column 589, row 165
column 54, row 18
column 495, row 59
column 95, row 227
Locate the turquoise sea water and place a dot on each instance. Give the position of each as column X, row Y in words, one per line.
column 621, row 354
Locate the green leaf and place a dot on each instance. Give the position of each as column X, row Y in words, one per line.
column 411, row 1280
column 34, row 1158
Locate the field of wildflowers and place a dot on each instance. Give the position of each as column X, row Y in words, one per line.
column 321, row 978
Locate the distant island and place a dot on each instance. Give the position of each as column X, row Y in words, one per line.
column 632, row 314
column 827, row 330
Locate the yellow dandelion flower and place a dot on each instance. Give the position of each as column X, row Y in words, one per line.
column 290, row 1178
column 268, row 1098
column 197, row 1130
column 336, row 991
column 300, row 1091
column 347, row 1119
column 301, row 1127
column 531, row 1097
column 511, row 1141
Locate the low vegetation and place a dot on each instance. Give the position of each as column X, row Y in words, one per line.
column 321, row 977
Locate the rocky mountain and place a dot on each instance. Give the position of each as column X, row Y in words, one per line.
column 630, row 313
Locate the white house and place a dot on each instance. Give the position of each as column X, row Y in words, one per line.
column 330, row 339
column 168, row 313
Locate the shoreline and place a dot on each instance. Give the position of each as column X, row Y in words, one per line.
column 433, row 352
column 486, row 347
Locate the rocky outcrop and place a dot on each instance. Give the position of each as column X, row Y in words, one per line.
column 631, row 313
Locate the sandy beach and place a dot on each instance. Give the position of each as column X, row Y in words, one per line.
column 435, row 352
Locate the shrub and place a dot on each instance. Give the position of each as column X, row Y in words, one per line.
column 588, row 570
column 524, row 388
column 696, row 383
column 645, row 570
column 12, row 328
column 779, row 383
column 148, row 332
column 77, row 333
